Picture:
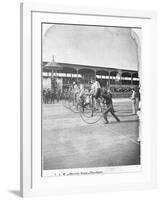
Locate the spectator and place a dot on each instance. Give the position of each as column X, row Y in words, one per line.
column 133, row 100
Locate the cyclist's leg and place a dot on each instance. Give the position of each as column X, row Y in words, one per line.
column 98, row 98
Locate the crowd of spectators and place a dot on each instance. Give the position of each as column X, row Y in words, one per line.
column 121, row 91
column 51, row 96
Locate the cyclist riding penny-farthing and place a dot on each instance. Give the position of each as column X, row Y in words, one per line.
column 96, row 92
column 91, row 111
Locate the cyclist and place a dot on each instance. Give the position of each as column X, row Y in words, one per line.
column 75, row 91
column 83, row 96
column 96, row 89
column 95, row 92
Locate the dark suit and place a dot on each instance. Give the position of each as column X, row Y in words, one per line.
column 108, row 101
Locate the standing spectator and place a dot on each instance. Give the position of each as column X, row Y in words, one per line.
column 133, row 100
column 44, row 96
column 52, row 96
column 137, row 98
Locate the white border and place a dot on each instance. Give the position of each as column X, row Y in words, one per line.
column 31, row 181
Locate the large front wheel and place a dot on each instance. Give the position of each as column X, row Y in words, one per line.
column 90, row 114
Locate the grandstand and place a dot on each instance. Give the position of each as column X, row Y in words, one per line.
column 121, row 82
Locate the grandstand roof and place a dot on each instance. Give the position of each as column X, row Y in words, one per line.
column 63, row 66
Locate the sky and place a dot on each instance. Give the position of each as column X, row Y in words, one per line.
column 92, row 45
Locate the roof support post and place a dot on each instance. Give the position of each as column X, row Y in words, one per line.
column 120, row 72
column 131, row 79
column 77, row 76
column 109, row 81
column 95, row 74
column 52, row 73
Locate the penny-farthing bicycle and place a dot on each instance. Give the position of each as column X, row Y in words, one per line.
column 91, row 110
column 72, row 103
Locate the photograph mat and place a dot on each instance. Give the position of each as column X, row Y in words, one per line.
column 38, row 74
